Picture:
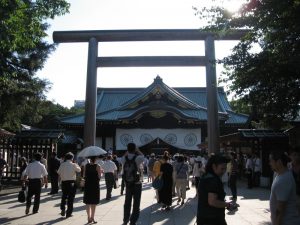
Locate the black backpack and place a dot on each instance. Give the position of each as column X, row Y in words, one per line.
column 131, row 172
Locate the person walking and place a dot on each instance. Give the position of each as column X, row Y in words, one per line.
column 23, row 165
column 91, row 194
column 283, row 206
column 115, row 160
column 174, row 162
column 182, row 170
column 256, row 170
column 36, row 174
column 110, row 170
column 249, row 171
column 233, row 176
column 67, row 172
column 150, row 167
column 132, row 162
column 3, row 165
column 53, row 166
column 156, row 172
column 165, row 194
column 211, row 194
column 198, row 171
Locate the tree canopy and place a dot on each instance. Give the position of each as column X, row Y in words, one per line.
column 264, row 68
column 23, row 51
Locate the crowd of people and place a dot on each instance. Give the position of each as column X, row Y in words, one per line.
column 208, row 175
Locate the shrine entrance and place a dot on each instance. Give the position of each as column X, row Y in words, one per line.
column 95, row 36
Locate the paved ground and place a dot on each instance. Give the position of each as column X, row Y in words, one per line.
column 253, row 209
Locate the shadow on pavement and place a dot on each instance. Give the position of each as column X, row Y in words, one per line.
column 245, row 193
column 9, row 220
column 52, row 221
column 265, row 223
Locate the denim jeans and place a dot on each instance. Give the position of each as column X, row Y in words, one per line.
column 133, row 191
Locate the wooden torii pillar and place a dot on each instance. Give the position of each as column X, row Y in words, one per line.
column 95, row 36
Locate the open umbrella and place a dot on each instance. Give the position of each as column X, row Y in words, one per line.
column 91, row 151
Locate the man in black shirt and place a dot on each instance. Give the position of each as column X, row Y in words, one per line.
column 211, row 195
column 53, row 166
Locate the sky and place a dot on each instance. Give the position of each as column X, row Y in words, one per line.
column 66, row 67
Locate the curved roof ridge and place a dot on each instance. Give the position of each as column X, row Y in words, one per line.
column 145, row 108
column 158, row 82
column 182, row 97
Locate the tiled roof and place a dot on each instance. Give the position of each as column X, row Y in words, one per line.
column 5, row 133
column 120, row 103
column 253, row 134
column 40, row 134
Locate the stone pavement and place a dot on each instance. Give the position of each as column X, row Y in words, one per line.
column 253, row 209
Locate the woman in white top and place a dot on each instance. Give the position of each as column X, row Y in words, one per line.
column 198, row 171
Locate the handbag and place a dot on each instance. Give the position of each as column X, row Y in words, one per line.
column 21, row 196
column 158, row 183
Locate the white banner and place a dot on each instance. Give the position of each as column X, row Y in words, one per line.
column 180, row 138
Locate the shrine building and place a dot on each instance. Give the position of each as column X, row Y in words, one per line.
column 156, row 118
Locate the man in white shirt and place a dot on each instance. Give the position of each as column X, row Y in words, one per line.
column 249, row 171
column 36, row 174
column 67, row 172
column 257, row 170
column 110, row 170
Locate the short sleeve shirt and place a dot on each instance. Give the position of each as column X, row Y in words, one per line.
column 35, row 170
column 210, row 183
column 182, row 170
column 284, row 189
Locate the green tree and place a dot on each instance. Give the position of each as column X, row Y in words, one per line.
column 264, row 68
column 50, row 114
column 241, row 106
column 23, row 51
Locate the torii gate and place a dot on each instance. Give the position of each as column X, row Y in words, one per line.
column 95, row 36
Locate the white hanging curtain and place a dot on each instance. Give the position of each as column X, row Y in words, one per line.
column 180, row 138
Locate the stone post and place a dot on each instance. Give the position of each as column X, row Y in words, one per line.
column 212, row 104
column 91, row 94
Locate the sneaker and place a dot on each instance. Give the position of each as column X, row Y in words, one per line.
column 26, row 210
column 63, row 213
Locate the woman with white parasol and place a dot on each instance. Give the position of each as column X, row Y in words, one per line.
column 92, row 173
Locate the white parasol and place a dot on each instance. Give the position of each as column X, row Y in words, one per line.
column 91, row 151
